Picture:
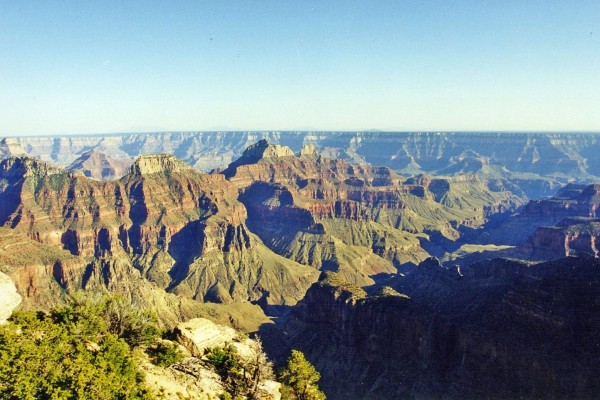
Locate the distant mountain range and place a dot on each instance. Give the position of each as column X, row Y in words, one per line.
column 540, row 162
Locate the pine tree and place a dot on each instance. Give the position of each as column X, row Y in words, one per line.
column 300, row 379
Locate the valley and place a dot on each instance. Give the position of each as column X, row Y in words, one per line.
column 403, row 266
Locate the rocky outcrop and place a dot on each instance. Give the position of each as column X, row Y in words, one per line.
column 562, row 225
column 198, row 334
column 10, row 147
column 312, row 209
column 159, row 163
column 308, row 150
column 9, row 298
column 262, row 150
column 570, row 237
column 189, row 379
column 498, row 329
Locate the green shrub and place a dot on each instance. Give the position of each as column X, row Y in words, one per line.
column 165, row 354
column 66, row 354
column 240, row 376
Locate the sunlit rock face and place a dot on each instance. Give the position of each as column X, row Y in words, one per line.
column 183, row 230
column 9, row 298
column 97, row 165
column 358, row 218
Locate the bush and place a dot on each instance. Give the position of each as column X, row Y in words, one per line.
column 113, row 314
column 66, row 354
column 165, row 354
column 228, row 365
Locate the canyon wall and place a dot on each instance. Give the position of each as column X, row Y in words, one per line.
column 535, row 161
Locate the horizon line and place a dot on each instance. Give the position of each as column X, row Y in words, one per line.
column 433, row 131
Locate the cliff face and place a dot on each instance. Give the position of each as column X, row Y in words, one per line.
column 182, row 230
column 188, row 233
column 9, row 298
column 570, row 237
column 499, row 329
column 361, row 219
column 563, row 225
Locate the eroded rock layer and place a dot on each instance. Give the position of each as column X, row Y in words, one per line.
column 536, row 162
column 359, row 220
column 182, row 230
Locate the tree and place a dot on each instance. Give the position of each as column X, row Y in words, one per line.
column 240, row 376
column 259, row 366
column 66, row 354
column 228, row 365
column 165, row 354
column 300, row 379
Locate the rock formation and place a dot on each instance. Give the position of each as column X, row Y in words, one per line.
column 498, row 329
column 566, row 224
column 361, row 219
column 385, row 320
column 535, row 162
column 164, row 222
column 9, row 298
column 199, row 334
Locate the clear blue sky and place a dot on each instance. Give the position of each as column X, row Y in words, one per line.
column 119, row 66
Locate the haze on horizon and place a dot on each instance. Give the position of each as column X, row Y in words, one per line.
column 101, row 67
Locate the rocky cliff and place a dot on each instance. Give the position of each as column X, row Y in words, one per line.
column 98, row 165
column 189, row 234
column 355, row 218
column 498, row 329
column 177, row 228
column 563, row 225
column 188, row 244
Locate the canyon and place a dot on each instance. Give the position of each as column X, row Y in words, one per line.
column 379, row 262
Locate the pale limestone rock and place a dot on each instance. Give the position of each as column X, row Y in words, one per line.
column 308, row 150
column 187, row 379
column 199, row 333
column 158, row 163
column 271, row 390
column 11, row 147
column 264, row 149
column 275, row 150
column 9, row 298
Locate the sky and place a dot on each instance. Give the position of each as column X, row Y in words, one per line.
column 76, row 67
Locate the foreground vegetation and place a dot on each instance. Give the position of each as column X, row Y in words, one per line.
column 241, row 376
column 85, row 350
column 80, row 351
